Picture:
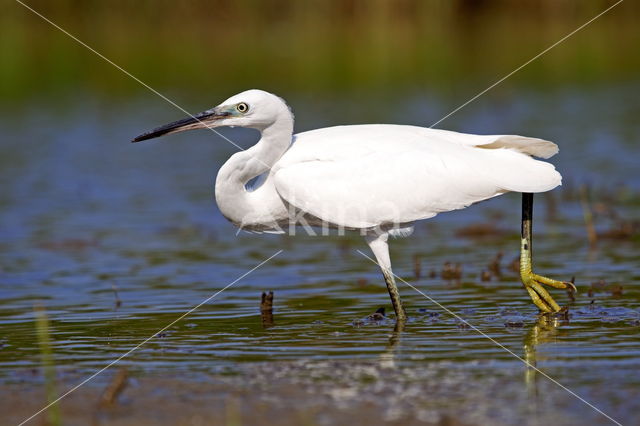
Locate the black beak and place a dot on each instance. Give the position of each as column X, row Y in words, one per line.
column 198, row 121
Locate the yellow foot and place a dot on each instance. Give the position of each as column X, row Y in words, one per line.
column 541, row 297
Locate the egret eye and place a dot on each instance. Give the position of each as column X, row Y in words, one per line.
column 242, row 107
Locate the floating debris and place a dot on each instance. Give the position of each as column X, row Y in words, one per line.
column 429, row 314
column 463, row 325
column 451, row 271
column 374, row 318
column 377, row 315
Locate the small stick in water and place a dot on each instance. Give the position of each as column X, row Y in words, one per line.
column 115, row 388
column 266, row 309
column 118, row 302
column 570, row 291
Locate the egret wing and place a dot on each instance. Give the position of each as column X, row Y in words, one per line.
column 365, row 176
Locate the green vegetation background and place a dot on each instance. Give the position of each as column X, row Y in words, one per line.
column 315, row 46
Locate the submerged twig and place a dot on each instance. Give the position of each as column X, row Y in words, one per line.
column 115, row 388
column 570, row 292
column 266, row 309
column 118, row 302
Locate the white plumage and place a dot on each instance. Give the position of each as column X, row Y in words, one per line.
column 377, row 178
column 370, row 175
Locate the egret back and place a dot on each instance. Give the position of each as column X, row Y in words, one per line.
column 369, row 175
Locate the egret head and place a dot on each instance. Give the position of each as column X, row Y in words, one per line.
column 252, row 108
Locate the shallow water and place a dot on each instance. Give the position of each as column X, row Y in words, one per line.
column 85, row 214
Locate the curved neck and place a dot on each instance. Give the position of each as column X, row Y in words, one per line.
column 235, row 202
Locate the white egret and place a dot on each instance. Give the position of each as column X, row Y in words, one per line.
column 376, row 178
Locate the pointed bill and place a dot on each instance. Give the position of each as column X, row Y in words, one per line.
column 198, row 121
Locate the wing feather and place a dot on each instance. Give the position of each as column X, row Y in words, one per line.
column 365, row 176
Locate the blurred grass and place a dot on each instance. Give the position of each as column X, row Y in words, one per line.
column 48, row 364
column 310, row 46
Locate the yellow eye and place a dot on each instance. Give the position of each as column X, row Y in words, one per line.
column 242, row 107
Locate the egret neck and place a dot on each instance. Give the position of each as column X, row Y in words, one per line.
column 236, row 203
